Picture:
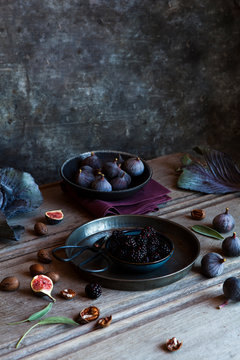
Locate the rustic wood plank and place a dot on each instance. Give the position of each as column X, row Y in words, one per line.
column 142, row 320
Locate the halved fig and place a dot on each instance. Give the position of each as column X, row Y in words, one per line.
column 54, row 216
column 42, row 285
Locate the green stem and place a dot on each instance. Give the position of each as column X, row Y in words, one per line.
column 20, row 340
column 18, row 322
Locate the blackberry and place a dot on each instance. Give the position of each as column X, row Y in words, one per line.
column 154, row 256
column 147, row 246
column 164, row 249
column 130, row 242
column 93, row 290
column 137, row 256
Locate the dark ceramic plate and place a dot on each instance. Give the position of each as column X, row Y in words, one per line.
column 71, row 166
column 186, row 251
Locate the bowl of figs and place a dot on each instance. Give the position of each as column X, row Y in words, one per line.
column 105, row 174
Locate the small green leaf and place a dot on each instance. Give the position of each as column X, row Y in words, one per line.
column 47, row 321
column 58, row 320
column 207, row 231
column 35, row 316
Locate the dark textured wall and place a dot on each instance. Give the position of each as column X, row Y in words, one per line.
column 147, row 77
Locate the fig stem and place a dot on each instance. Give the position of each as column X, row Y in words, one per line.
column 223, row 304
column 49, row 295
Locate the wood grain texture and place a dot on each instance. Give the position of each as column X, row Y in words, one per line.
column 142, row 320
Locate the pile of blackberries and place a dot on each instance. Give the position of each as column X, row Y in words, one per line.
column 147, row 246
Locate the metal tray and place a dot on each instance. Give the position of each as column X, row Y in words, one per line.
column 186, row 245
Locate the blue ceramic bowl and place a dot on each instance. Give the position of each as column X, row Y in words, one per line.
column 139, row 267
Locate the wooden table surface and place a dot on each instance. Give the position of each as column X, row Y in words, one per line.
column 142, row 320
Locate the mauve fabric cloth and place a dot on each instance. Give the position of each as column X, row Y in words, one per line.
column 145, row 200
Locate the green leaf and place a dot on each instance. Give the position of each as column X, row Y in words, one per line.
column 207, row 231
column 58, row 320
column 35, row 316
column 47, row 321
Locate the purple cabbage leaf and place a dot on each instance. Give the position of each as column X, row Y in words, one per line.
column 218, row 175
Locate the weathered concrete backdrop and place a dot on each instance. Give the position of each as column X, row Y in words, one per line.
column 144, row 76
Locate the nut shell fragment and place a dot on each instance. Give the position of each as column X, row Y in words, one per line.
column 198, row 214
column 104, row 322
column 173, row 344
column 68, row 294
column 89, row 314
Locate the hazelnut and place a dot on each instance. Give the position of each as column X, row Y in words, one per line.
column 53, row 276
column 68, row 294
column 44, row 256
column 36, row 269
column 198, row 214
column 10, row 283
column 40, row 229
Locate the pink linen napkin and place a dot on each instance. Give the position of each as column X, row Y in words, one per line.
column 145, row 200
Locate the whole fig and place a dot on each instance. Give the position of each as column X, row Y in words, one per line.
column 231, row 245
column 224, row 222
column 92, row 160
column 231, row 288
column 84, row 178
column 111, row 169
column 134, row 166
column 212, row 264
column 119, row 182
column 101, row 184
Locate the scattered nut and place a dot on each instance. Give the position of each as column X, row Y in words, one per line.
column 104, row 322
column 36, row 269
column 53, row 276
column 40, row 229
column 44, row 256
column 89, row 314
column 68, row 294
column 10, row 283
column 198, row 214
column 173, row 344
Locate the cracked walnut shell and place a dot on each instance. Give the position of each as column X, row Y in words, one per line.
column 173, row 344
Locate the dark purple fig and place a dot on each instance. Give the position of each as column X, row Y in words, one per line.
column 231, row 245
column 111, row 169
column 120, row 159
column 224, row 222
column 92, row 160
column 101, row 184
column 212, row 264
column 231, row 288
column 121, row 182
column 126, row 176
column 84, row 178
column 87, row 168
column 134, row 166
